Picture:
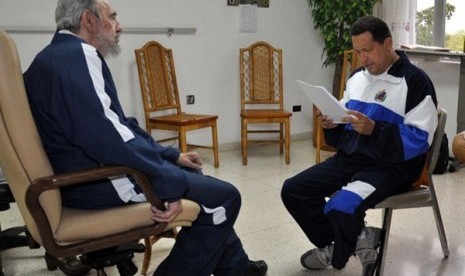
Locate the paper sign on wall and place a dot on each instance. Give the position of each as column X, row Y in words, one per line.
column 248, row 18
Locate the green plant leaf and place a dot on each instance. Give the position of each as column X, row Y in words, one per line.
column 333, row 18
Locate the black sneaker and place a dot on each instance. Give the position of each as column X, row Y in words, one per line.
column 256, row 268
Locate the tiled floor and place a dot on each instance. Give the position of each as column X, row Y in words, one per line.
column 268, row 232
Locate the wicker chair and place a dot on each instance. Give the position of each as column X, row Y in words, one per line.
column 160, row 95
column 261, row 77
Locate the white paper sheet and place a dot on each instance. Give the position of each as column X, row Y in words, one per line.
column 247, row 18
column 326, row 102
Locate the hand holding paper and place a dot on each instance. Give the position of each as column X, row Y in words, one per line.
column 325, row 122
column 360, row 122
column 326, row 103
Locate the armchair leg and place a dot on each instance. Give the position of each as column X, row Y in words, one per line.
column 12, row 238
column 149, row 242
column 121, row 256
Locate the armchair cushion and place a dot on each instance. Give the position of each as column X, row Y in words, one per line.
column 78, row 224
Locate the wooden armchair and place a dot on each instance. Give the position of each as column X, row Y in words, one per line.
column 261, row 75
column 63, row 232
column 349, row 64
column 160, row 95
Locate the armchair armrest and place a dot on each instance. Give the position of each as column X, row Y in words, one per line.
column 54, row 182
column 51, row 182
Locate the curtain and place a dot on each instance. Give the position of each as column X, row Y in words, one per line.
column 400, row 15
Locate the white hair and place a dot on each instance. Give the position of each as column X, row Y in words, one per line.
column 69, row 12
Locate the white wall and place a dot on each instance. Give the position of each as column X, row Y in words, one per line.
column 207, row 63
column 445, row 76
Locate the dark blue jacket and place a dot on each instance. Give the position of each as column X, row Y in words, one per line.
column 82, row 125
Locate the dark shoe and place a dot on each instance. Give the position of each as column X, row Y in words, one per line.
column 256, row 268
column 69, row 266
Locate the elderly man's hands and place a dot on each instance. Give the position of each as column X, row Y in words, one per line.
column 172, row 210
column 190, row 160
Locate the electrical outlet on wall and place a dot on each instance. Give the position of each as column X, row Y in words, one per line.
column 190, row 99
column 296, row 108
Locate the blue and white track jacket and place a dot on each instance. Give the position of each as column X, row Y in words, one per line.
column 402, row 102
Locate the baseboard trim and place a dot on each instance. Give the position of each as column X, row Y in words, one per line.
column 237, row 145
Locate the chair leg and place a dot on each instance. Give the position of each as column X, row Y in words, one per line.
column 441, row 231
column 215, row 146
column 288, row 141
column 281, row 138
column 318, row 142
column 147, row 255
column 149, row 242
column 386, row 228
column 1, row 266
column 244, row 142
column 182, row 140
column 439, row 224
column 12, row 238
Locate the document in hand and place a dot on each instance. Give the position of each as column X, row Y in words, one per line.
column 326, row 103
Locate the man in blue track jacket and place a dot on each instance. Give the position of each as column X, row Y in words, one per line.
column 82, row 125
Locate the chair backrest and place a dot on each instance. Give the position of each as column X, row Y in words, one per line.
column 433, row 152
column 157, row 78
column 437, row 139
column 22, row 157
column 350, row 62
column 261, row 75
